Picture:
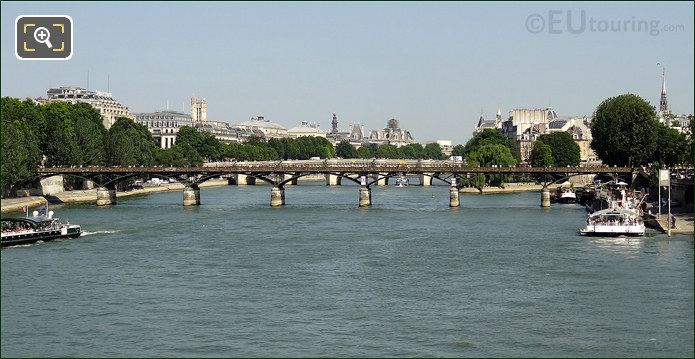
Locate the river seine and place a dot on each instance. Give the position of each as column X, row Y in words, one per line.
column 409, row 276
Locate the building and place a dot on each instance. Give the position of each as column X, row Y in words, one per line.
column 447, row 146
column 261, row 125
column 335, row 135
column 306, row 129
column 525, row 126
column 681, row 123
column 392, row 135
column 483, row 123
column 164, row 125
column 580, row 129
column 104, row 102
column 199, row 110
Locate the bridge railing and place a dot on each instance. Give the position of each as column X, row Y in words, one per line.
column 328, row 166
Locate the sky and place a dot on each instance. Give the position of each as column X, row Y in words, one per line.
column 433, row 66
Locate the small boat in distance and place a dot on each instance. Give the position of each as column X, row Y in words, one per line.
column 402, row 181
column 27, row 230
column 565, row 193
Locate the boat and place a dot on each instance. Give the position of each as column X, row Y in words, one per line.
column 623, row 217
column 614, row 222
column 402, row 181
column 27, row 230
column 566, row 195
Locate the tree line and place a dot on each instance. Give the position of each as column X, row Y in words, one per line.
column 416, row 151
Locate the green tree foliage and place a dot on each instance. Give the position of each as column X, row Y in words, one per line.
column 624, row 131
column 130, row 144
column 459, row 150
column 412, row 151
column 367, row 151
column 302, row 148
column 433, row 151
column 692, row 140
column 564, row 150
column 205, row 144
column 345, row 150
column 387, row 151
column 672, row 147
column 488, row 155
column 541, row 155
column 488, row 136
column 21, row 154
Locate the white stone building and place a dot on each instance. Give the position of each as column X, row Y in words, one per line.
column 306, row 129
column 267, row 128
column 104, row 102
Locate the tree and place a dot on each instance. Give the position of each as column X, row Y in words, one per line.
column 433, row 151
column 624, row 131
column 541, row 155
column 412, row 151
column 672, row 147
column 459, row 150
column 492, row 154
column 129, row 144
column 90, row 133
column 20, row 147
column 564, row 150
column 367, row 151
column 387, row 151
column 486, row 137
column 692, row 139
column 61, row 145
column 345, row 150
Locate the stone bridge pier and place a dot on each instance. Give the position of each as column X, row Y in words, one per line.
column 453, row 194
column 106, row 196
column 545, row 197
column 381, row 179
column 277, row 196
column 426, row 178
column 244, row 179
column 191, row 195
column 333, row 180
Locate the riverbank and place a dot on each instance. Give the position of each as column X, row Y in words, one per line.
column 508, row 188
column 10, row 205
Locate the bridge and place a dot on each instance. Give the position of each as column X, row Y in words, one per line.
column 278, row 174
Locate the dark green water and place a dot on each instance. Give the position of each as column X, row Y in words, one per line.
column 498, row 276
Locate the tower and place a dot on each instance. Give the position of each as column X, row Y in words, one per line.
column 663, row 103
column 334, row 124
column 199, row 110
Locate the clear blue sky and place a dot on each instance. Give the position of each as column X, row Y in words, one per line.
column 433, row 66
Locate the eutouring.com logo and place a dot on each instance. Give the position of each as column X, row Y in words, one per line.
column 557, row 22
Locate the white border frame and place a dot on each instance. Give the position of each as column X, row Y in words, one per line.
column 72, row 38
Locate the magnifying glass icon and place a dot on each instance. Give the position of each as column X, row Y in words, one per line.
column 42, row 35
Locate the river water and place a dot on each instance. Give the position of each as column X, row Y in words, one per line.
column 409, row 276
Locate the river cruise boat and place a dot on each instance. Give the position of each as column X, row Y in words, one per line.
column 27, row 230
column 614, row 222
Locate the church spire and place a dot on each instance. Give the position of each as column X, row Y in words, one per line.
column 663, row 103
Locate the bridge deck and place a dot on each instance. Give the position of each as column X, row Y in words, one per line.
column 345, row 166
